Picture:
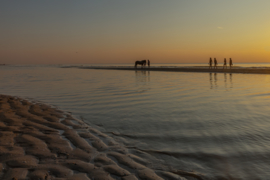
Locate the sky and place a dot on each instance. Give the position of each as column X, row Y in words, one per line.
column 123, row 31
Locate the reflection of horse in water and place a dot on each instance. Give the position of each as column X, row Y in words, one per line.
column 143, row 63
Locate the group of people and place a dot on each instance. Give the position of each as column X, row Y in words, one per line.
column 215, row 63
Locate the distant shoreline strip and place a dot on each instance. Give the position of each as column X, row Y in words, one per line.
column 189, row 69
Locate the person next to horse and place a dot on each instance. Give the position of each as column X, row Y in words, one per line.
column 215, row 63
column 148, row 62
column 231, row 63
column 210, row 63
column 225, row 63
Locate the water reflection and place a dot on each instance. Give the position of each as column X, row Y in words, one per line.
column 211, row 81
column 231, row 83
column 142, row 80
column 214, row 81
column 142, row 76
column 225, row 81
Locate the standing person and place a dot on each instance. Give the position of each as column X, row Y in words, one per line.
column 231, row 63
column 225, row 63
column 215, row 62
column 210, row 63
column 148, row 62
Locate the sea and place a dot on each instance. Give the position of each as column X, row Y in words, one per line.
column 214, row 124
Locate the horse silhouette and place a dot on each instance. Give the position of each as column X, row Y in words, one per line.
column 142, row 62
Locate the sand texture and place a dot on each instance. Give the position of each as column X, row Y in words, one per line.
column 42, row 143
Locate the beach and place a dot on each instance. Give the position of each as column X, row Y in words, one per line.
column 40, row 142
column 205, row 69
column 178, row 125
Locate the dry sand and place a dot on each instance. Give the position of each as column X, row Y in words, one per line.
column 42, row 143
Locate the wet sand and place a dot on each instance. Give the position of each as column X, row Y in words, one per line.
column 235, row 69
column 40, row 142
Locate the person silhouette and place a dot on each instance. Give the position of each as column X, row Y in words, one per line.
column 210, row 63
column 148, row 62
column 215, row 62
column 225, row 63
column 231, row 63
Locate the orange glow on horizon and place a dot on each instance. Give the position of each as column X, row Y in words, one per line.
column 165, row 32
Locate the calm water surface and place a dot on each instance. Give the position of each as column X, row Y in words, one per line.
column 213, row 123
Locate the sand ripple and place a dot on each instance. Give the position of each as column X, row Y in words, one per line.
column 40, row 142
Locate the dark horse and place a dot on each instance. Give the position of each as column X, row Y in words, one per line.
column 143, row 63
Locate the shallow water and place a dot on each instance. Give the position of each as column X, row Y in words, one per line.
column 213, row 123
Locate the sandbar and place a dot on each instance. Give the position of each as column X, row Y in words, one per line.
column 205, row 69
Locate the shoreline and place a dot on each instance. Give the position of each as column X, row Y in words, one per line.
column 38, row 141
column 204, row 69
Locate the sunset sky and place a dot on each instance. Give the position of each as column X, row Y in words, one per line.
column 122, row 31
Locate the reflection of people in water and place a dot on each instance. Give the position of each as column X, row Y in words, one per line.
column 215, row 63
column 211, row 81
column 148, row 62
column 231, row 63
column 225, row 80
column 210, row 63
column 215, row 78
column 141, row 76
column 142, row 81
column 231, row 81
column 225, row 63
